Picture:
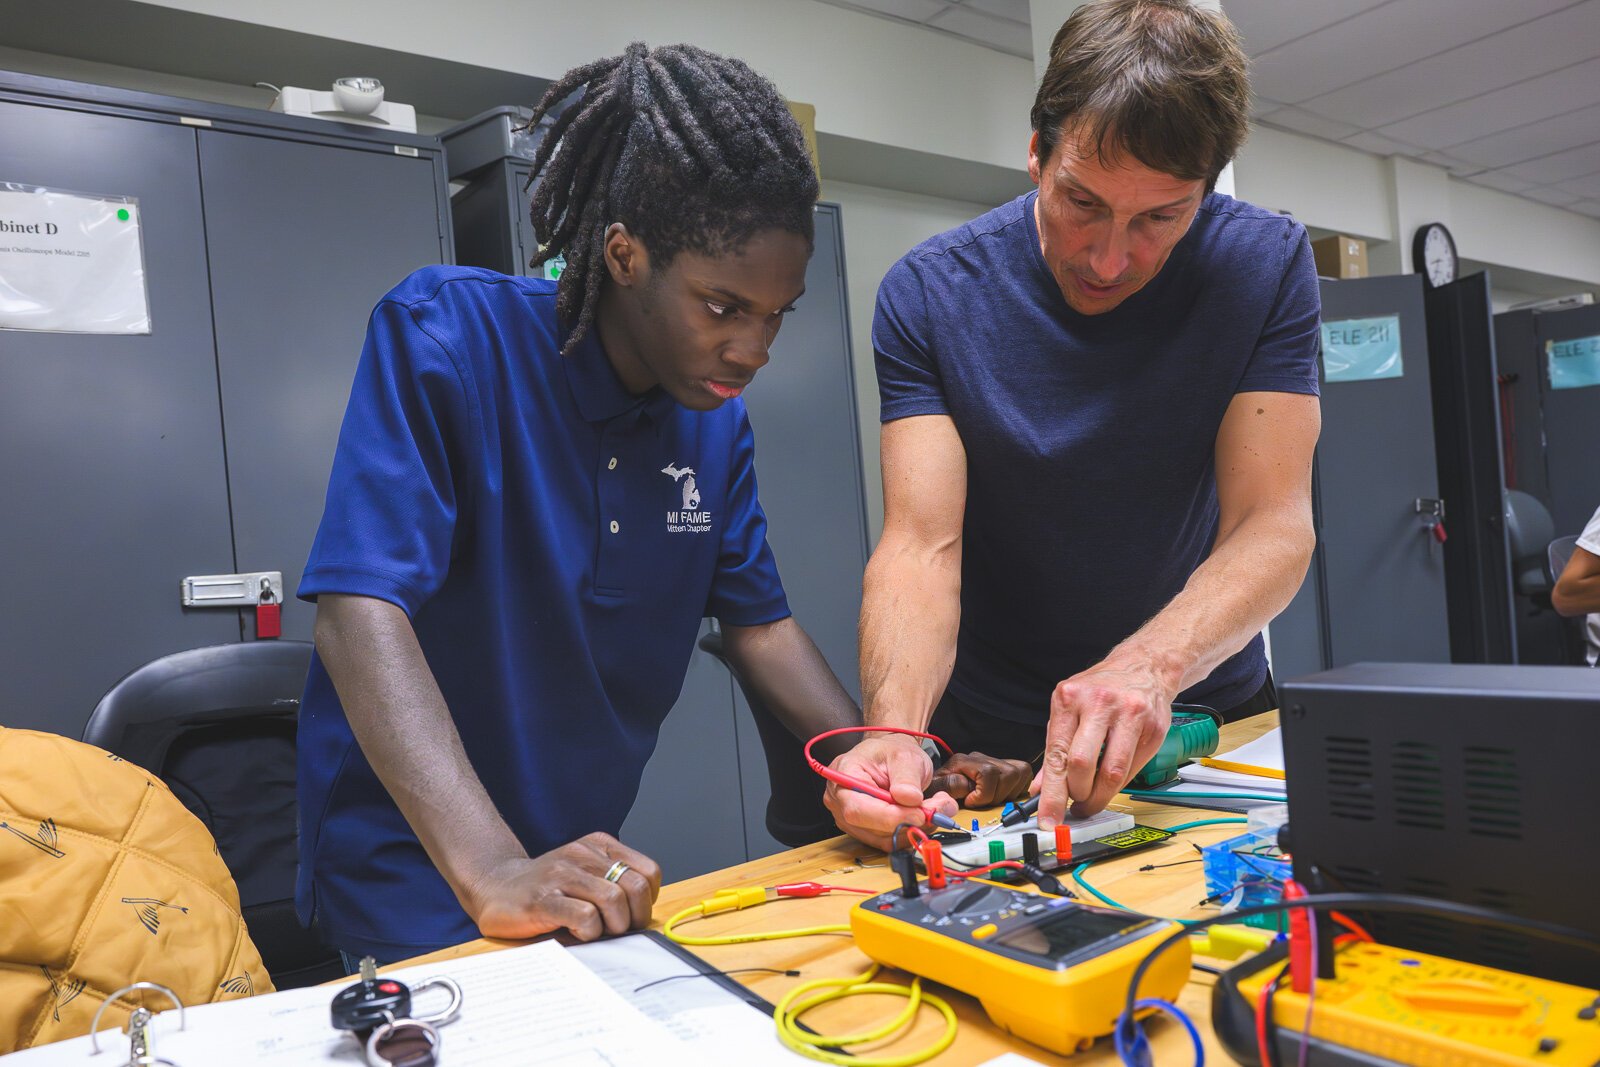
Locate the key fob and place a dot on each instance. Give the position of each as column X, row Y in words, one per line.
column 369, row 1003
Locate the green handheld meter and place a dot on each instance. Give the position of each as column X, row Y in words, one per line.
column 1195, row 732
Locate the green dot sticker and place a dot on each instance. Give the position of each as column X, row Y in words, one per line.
column 122, row 214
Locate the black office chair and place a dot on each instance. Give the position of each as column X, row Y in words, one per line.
column 218, row 726
column 795, row 812
column 1529, row 528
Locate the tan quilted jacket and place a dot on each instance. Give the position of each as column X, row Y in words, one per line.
column 105, row 879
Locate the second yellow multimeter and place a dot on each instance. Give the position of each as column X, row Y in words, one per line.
column 1047, row 969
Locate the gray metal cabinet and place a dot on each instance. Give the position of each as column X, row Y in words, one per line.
column 129, row 462
column 111, row 459
column 1376, row 590
column 1557, row 430
column 304, row 239
column 702, row 803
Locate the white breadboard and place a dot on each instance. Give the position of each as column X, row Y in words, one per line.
column 975, row 853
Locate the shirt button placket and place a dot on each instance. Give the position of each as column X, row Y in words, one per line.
column 610, row 566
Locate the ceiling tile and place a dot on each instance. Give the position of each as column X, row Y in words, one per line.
column 1515, row 105
column 1379, row 145
column 1267, row 24
column 1534, row 140
column 1458, row 167
column 1559, row 167
column 1586, row 186
column 1499, row 179
column 1260, row 106
column 915, row 10
column 1422, row 82
column 1015, row 10
column 998, row 33
column 1301, row 121
column 1547, row 195
column 1392, row 35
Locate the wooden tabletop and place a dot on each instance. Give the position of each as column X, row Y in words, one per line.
column 1171, row 891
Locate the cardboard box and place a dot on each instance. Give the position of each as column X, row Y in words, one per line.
column 1339, row 256
column 806, row 116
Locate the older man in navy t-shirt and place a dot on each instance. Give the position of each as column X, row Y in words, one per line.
column 1100, row 406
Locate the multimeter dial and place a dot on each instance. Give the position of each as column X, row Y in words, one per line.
column 978, row 903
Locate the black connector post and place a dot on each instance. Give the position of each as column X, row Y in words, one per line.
column 905, row 865
column 1030, row 849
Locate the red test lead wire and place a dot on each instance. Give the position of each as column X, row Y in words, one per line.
column 815, row 889
column 850, row 781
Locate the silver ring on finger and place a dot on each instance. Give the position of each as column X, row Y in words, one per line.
column 615, row 872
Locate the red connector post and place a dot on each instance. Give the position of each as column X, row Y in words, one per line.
column 933, row 863
column 1299, row 939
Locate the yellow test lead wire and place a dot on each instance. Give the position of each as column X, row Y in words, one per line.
column 788, row 1011
column 815, row 1046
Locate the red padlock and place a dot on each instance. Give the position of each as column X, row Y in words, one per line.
column 1438, row 533
column 269, row 615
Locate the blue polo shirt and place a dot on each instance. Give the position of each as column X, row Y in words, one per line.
column 555, row 542
column 1090, row 439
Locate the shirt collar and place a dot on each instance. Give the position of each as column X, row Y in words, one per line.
column 598, row 391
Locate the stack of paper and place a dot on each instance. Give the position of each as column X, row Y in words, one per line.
column 1254, row 767
column 535, row 1003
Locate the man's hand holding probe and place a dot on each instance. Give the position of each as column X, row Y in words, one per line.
column 898, row 764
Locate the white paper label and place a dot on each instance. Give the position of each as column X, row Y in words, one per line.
column 70, row 262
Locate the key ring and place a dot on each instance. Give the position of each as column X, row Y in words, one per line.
column 444, row 1015
column 402, row 1032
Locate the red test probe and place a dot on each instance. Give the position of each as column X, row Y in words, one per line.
column 850, row 781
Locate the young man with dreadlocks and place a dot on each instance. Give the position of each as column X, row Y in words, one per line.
column 538, row 493
column 1100, row 406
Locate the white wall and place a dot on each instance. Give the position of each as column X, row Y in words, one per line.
column 870, row 78
column 880, row 226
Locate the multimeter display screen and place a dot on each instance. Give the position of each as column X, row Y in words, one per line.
column 1066, row 932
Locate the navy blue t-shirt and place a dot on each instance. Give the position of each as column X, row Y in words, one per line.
column 555, row 542
column 1090, row 439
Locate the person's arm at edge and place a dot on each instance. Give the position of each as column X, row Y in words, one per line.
column 910, row 613
column 400, row 720
column 1577, row 590
column 1265, row 537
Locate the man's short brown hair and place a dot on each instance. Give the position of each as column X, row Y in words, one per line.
column 1160, row 80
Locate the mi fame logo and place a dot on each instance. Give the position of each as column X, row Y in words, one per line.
column 689, row 519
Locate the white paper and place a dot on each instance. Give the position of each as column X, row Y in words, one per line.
column 715, row 1024
column 71, row 263
column 1265, row 751
column 534, row 1004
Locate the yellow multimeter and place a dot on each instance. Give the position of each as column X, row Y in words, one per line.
column 1047, row 969
column 1412, row 1007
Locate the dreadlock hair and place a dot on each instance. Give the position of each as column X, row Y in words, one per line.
column 687, row 149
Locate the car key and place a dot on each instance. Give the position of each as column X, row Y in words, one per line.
column 371, row 1001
